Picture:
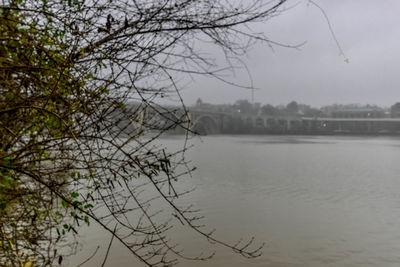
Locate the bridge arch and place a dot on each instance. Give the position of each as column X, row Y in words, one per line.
column 205, row 125
column 249, row 122
column 260, row 122
column 271, row 123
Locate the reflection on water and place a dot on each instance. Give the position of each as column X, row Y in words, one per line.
column 283, row 140
column 315, row 201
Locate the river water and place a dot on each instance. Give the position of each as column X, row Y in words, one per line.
column 313, row 200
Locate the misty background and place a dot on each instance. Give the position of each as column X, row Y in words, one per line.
column 316, row 73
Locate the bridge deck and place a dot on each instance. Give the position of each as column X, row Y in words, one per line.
column 351, row 119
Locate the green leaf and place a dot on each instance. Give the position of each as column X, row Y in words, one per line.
column 8, row 178
column 64, row 203
column 88, row 206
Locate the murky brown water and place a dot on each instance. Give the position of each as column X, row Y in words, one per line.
column 315, row 201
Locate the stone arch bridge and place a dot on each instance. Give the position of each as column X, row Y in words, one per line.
column 203, row 121
column 216, row 122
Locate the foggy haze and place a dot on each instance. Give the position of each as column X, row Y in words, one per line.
column 316, row 74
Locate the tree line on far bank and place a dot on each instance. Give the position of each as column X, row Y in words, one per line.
column 294, row 108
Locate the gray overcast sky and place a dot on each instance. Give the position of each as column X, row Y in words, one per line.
column 368, row 32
